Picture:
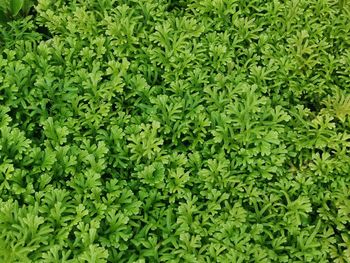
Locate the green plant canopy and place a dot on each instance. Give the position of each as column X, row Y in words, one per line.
column 192, row 131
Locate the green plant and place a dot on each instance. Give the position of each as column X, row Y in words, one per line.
column 10, row 9
column 175, row 131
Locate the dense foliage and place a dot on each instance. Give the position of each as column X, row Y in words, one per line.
column 10, row 9
column 175, row 131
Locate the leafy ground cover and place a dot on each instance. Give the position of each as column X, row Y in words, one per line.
column 175, row 131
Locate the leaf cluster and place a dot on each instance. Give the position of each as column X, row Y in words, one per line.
column 175, row 131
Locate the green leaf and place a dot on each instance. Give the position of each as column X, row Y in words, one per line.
column 27, row 5
column 15, row 6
